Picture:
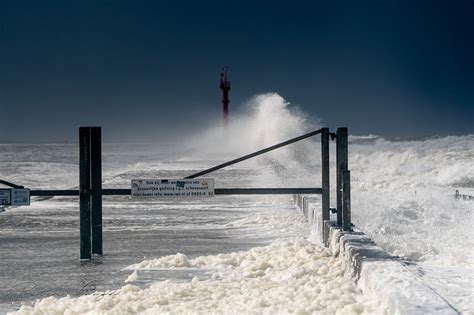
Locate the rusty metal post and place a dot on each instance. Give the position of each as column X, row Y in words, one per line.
column 325, row 176
column 96, row 190
column 84, row 193
column 341, row 165
column 346, row 201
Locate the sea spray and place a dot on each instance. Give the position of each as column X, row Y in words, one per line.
column 402, row 190
column 264, row 120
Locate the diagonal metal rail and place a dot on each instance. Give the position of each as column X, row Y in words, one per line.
column 4, row 182
column 254, row 154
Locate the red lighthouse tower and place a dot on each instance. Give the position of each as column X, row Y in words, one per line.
column 225, row 87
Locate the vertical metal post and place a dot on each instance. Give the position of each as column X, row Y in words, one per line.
column 341, row 165
column 84, row 193
column 325, row 172
column 96, row 190
column 346, row 201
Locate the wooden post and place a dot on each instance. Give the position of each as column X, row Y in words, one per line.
column 96, row 190
column 341, row 165
column 325, row 173
column 346, row 201
column 84, row 193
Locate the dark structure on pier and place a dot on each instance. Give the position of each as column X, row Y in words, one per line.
column 225, row 87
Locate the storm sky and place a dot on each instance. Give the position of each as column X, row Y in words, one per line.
column 151, row 68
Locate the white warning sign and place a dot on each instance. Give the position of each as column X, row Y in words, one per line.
column 172, row 188
column 5, row 197
column 15, row 197
column 21, row 197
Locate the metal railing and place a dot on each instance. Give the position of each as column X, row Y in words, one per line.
column 90, row 190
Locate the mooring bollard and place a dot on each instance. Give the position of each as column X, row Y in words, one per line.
column 346, row 201
column 341, row 165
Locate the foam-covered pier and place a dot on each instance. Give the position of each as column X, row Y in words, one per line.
column 376, row 272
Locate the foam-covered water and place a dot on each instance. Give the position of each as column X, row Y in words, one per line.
column 402, row 197
column 291, row 276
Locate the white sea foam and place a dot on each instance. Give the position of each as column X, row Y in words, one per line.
column 273, row 224
column 287, row 276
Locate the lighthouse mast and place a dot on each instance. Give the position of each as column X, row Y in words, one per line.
column 225, row 87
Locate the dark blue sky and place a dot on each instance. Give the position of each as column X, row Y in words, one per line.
column 394, row 68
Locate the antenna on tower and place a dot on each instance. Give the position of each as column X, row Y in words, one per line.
column 225, row 87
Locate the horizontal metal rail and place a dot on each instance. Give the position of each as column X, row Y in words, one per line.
column 116, row 192
column 218, row 191
column 267, row 191
column 257, row 153
column 66, row 192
